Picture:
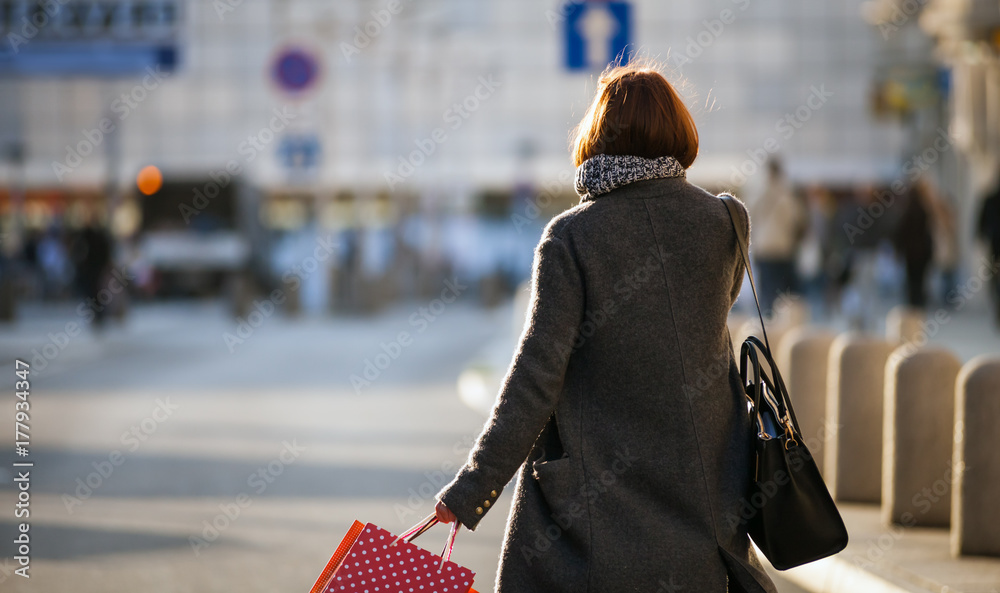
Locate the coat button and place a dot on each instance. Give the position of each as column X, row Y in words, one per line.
column 493, row 494
column 486, row 503
column 479, row 510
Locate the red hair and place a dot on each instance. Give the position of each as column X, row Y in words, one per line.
column 636, row 112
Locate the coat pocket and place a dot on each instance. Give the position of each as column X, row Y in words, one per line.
column 557, row 480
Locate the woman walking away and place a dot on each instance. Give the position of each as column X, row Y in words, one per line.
column 622, row 412
column 781, row 221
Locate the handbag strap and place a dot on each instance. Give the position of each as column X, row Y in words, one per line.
column 779, row 384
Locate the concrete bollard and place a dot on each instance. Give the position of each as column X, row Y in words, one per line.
column 852, row 456
column 975, row 515
column 903, row 324
column 917, row 437
column 775, row 333
column 791, row 311
column 803, row 358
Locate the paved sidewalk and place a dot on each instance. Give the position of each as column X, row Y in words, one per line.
column 895, row 560
column 379, row 456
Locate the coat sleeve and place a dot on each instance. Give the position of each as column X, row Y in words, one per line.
column 531, row 387
column 737, row 285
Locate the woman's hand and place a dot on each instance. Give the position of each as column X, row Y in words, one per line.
column 444, row 514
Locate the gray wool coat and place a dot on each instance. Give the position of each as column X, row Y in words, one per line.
column 621, row 412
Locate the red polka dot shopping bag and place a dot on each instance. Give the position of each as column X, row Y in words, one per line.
column 372, row 560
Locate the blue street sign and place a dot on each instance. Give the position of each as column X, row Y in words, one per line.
column 97, row 59
column 299, row 152
column 295, row 70
column 596, row 33
column 89, row 37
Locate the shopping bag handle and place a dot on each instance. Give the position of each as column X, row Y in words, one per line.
column 425, row 524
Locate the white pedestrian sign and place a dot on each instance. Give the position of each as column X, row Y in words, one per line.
column 596, row 34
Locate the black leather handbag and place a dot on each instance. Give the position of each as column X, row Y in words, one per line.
column 790, row 514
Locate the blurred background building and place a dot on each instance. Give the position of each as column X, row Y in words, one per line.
column 421, row 135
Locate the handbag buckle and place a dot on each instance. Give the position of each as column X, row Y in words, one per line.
column 790, row 439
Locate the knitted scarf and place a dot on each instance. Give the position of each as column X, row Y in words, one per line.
column 602, row 173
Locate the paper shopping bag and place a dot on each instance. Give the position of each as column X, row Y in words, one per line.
column 372, row 560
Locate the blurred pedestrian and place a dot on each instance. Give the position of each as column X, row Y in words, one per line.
column 915, row 244
column 863, row 239
column 31, row 270
column 631, row 290
column 92, row 258
column 811, row 262
column 779, row 223
column 841, row 251
column 57, row 271
column 944, row 230
column 989, row 232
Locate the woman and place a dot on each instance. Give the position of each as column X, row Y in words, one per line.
column 622, row 407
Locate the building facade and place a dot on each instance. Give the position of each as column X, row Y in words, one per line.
column 490, row 77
